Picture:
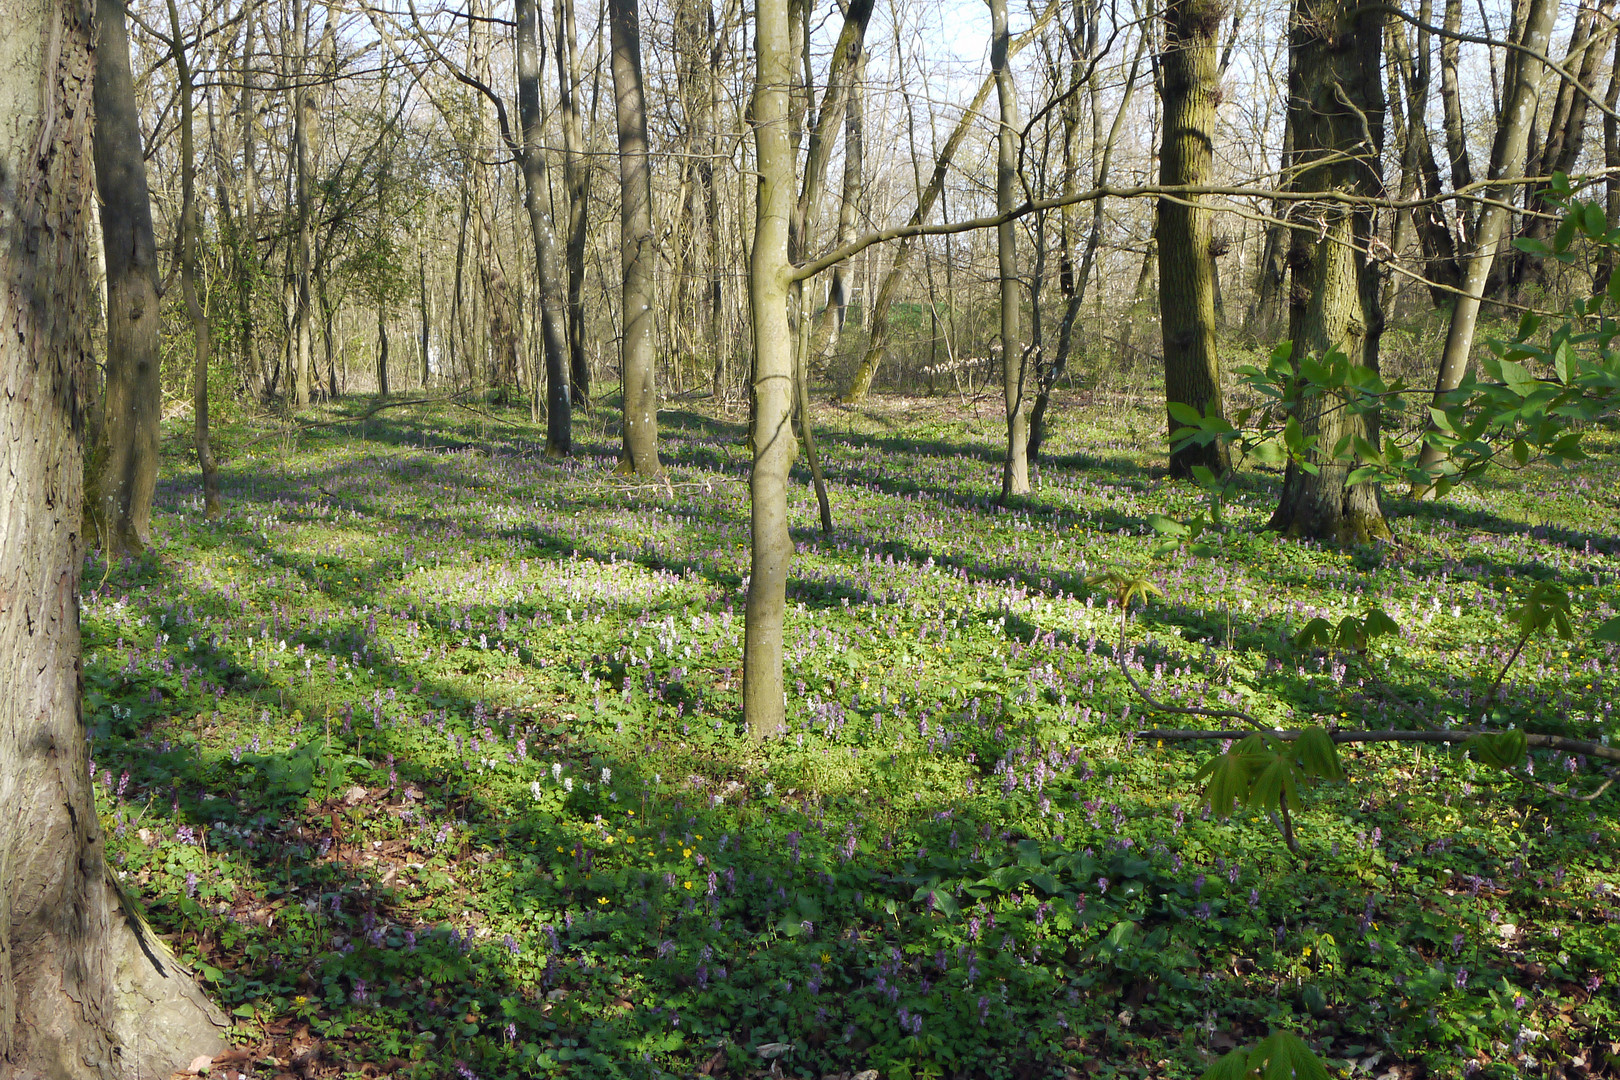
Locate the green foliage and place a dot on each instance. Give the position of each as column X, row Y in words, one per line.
column 1282, row 1055
column 1264, row 773
column 1503, row 750
column 1352, row 633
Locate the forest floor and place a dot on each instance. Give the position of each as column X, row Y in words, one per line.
column 428, row 756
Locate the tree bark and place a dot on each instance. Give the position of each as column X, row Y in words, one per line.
column 124, row 464
column 577, row 185
column 772, row 386
column 304, row 118
column 860, row 383
column 1190, row 87
column 1566, row 134
column 202, row 344
column 86, row 991
column 637, row 247
column 1519, row 100
column 1015, row 466
column 554, row 332
column 1336, row 97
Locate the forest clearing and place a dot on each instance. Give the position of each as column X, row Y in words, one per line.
column 428, row 755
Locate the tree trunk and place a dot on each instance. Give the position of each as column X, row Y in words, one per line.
column 427, row 357
column 202, row 334
column 577, row 184
column 860, row 383
column 1566, row 131
column 764, row 706
column 536, row 188
column 637, row 247
column 831, row 323
column 1336, row 97
column 304, row 118
column 1015, row 466
column 1190, row 87
column 1462, row 174
column 86, row 991
column 1611, row 163
column 382, row 352
column 124, row 465
column 1507, row 162
column 1103, row 154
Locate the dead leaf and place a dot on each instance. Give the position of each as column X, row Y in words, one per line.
column 199, row 1064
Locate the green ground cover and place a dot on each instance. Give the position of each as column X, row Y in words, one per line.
column 429, row 756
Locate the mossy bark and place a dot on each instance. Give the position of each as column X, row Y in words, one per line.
column 1336, row 105
column 1190, row 83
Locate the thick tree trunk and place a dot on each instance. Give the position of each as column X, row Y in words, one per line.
column 1519, row 101
column 772, row 388
column 536, row 188
column 1015, row 466
column 1190, row 87
column 124, row 465
column 1462, row 173
column 637, row 246
column 1336, row 97
column 85, row 989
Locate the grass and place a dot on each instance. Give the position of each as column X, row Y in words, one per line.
column 429, row 757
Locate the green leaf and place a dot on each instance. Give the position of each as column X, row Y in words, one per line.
column 1609, row 631
column 1594, row 221
column 1228, row 786
column 1287, row 1057
column 1316, row 632
column 1499, row 749
column 1518, row 378
column 1378, row 623
column 1277, row 781
column 1183, row 413
column 1320, row 757
column 1565, row 233
column 1230, row 1066
column 1167, row 526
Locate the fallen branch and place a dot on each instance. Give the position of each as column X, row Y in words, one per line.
column 1454, row 735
